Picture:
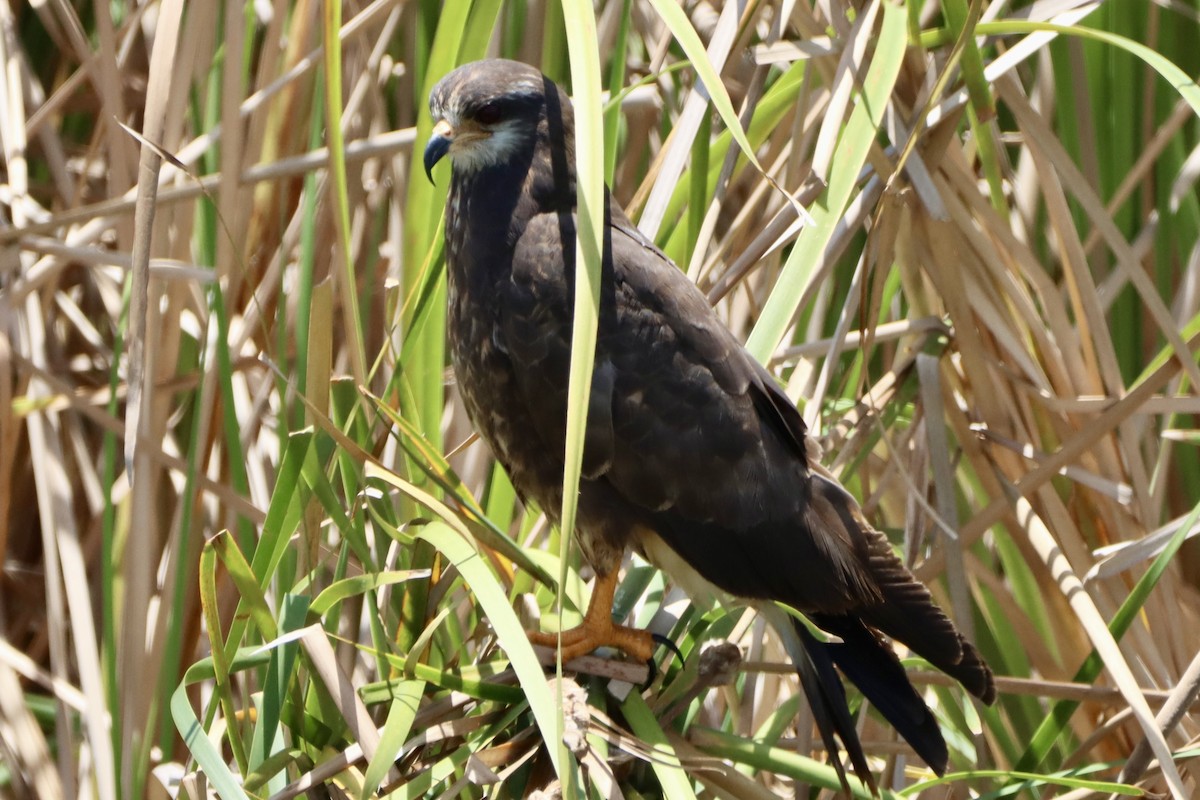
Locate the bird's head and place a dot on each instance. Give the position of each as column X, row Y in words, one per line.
column 489, row 112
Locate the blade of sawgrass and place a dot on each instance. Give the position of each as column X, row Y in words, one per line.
column 777, row 760
column 686, row 127
column 109, row 567
column 769, row 113
column 1116, row 76
column 500, row 502
column 494, row 603
column 360, row 584
column 616, row 84
column 346, row 280
column 698, row 191
column 420, row 302
column 268, row 739
column 430, row 461
column 481, row 24
column 859, row 135
column 284, row 513
column 475, row 680
column 231, row 425
column 1030, row 781
column 252, row 603
column 1171, row 74
column 406, row 698
column 687, row 37
column 188, row 538
column 220, row 659
column 584, row 57
column 207, row 755
column 423, row 352
column 556, row 35
column 589, row 140
column 1060, row 714
column 674, row 779
column 306, row 335
column 981, row 109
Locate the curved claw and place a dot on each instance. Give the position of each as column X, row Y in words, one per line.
column 652, row 665
column 651, row 677
column 659, row 639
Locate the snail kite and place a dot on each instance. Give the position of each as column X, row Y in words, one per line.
column 693, row 455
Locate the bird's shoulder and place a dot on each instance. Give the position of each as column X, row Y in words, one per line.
column 656, row 287
column 652, row 317
column 679, row 407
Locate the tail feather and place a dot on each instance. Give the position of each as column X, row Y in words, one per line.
column 873, row 667
column 909, row 615
column 827, row 700
column 903, row 608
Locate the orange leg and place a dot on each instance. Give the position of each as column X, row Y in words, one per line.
column 598, row 629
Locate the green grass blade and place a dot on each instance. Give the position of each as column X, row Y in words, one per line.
column 851, row 154
column 193, row 733
column 361, row 584
column 405, row 702
column 269, row 739
column 251, row 599
column 493, row 601
column 777, row 759
column 1027, row 781
column 346, row 281
column 1060, row 714
column 583, row 51
column 681, row 28
column 221, row 662
column 674, row 779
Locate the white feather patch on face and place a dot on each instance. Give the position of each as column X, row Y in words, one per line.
column 476, row 149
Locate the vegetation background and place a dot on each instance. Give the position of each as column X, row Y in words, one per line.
column 250, row 548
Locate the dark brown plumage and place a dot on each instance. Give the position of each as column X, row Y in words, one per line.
column 694, row 456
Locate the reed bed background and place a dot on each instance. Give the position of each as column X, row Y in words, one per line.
column 251, row 549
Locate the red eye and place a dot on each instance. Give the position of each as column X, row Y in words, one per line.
column 489, row 113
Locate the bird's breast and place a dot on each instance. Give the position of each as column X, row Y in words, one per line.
column 487, row 383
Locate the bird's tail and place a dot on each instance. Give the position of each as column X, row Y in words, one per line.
column 827, row 700
column 872, row 666
column 906, row 611
column 909, row 615
column 870, row 663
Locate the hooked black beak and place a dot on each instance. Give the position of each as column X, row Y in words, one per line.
column 438, row 145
